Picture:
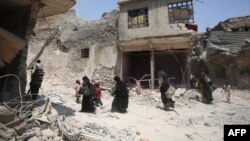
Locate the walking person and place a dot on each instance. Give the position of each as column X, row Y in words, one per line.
column 36, row 82
column 39, row 64
column 87, row 97
column 227, row 90
column 97, row 98
column 77, row 89
column 121, row 97
column 164, row 88
column 205, row 85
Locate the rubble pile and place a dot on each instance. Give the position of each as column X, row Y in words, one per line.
column 105, row 77
column 153, row 98
column 32, row 121
column 63, row 57
column 223, row 52
column 93, row 128
column 147, row 97
column 234, row 24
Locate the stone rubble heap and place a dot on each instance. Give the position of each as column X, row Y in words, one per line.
column 93, row 128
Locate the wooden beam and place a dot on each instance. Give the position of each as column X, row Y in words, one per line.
column 10, row 45
column 157, row 44
column 2, row 64
column 121, row 65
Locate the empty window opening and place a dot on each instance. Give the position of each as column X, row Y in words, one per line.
column 85, row 53
column 138, row 18
column 181, row 12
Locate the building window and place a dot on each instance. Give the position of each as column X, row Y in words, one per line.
column 85, row 53
column 138, row 18
column 181, row 12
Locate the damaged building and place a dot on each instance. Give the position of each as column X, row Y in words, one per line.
column 223, row 52
column 18, row 19
column 133, row 41
column 155, row 36
column 78, row 48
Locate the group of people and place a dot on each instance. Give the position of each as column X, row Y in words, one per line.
column 203, row 84
column 91, row 95
column 206, row 87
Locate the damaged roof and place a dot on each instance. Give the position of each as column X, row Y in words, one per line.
column 234, row 24
column 226, row 41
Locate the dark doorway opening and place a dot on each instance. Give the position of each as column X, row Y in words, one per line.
column 174, row 63
column 136, row 64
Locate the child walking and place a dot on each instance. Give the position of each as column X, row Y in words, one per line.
column 98, row 95
column 227, row 90
column 77, row 89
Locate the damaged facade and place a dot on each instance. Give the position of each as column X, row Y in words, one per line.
column 223, row 52
column 18, row 18
column 17, row 21
column 120, row 43
column 79, row 48
column 154, row 36
column 15, row 33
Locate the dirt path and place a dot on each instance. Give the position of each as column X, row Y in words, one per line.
column 145, row 118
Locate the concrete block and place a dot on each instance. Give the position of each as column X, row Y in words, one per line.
column 34, row 139
column 6, row 115
column 20, row 129
column 14, row 124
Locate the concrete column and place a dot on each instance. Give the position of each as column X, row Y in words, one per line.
column 152, row 68
column 121, row 65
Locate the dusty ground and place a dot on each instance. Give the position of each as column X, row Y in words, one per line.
column 145, row 118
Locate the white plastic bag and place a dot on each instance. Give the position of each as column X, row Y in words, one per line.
column 170, row 92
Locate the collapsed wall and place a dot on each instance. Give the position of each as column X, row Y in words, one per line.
column 17, row 23
column 79, row 48
column 223, row 52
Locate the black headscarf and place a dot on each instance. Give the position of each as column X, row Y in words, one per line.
column 117, row 78
column 86, row 80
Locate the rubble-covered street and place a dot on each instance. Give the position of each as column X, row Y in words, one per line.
column 145, row 120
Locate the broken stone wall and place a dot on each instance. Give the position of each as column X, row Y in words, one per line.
column 242, row 74
column 158, row 20
column 225, row 58
column 19, row 22
column 62, row 58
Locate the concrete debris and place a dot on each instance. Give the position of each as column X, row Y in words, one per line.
column 74, row 35
column 48, row 133
column 21, row 128
column 179, row 92
column 138, row 132
column 207, row 124
column 45, row 124
column 6, row 115
column 68, row 129
column 234, row 24
column 126, row 135
column 223, row 52
column 95, row 129
column 144, row 139
column 6, row 133
column 35, row 138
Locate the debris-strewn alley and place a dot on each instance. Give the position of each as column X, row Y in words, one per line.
column 145, row 120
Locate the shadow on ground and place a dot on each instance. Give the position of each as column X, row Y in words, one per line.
column 63, row 110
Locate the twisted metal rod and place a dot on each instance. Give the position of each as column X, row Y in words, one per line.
column 19, row 88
